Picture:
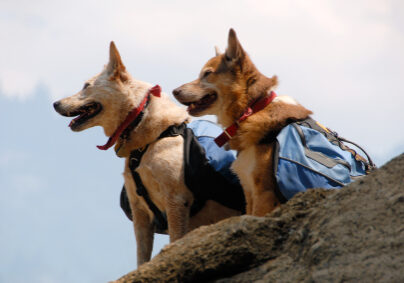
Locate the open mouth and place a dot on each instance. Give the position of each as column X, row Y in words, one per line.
column 202, row 104
column 84, row 114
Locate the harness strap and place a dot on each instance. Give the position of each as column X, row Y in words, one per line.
column 134, row 161
column 254, row 107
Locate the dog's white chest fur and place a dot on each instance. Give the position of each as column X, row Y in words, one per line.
column 244, row 166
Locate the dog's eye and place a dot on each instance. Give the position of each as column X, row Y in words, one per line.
column 206, row 73
column 86, row 85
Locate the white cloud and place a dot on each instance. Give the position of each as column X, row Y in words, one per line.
column 17, row 83
column 12, row 157
column 27, row 184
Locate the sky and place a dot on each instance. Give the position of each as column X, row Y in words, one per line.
column 60, row 219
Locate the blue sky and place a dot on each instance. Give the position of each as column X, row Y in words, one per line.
column 60, row 219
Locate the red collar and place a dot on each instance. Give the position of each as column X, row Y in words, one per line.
column 156, row 91
column 254, row 107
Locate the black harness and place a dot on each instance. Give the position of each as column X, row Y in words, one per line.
column 160, row 219
column 200, row 177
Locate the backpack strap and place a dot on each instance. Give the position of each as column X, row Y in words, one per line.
column 275, row 159
column 370, row 166
column 334, row 138
column 318, row 156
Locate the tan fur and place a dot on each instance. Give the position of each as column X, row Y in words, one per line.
column 161, row 168
column 237, row 82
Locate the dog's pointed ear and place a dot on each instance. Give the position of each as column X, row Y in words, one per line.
column 234, row 50
column 217, row 51
column 115, row 61
column 115, row 67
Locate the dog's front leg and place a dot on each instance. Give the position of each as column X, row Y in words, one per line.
column 248, row 200
column 264, row 201
column 178, row 209
column 264, row 198
column 141, row 218
column 144, row 234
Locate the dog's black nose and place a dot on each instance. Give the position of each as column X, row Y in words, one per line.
column 56, row 105
column 177, row 91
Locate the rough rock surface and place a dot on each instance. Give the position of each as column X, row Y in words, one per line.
column 355, row 234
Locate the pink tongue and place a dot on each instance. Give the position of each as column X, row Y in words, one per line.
column 190, row 107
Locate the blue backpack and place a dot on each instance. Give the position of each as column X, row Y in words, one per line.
column 308, row 155
column 219, row 158
column 207, row 167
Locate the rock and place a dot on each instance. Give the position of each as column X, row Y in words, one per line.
column 355, row 234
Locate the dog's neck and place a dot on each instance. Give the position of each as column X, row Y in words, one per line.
column 269, row 120
column 259, row 86
column 158, row 116
column 263, row 126
column 256, row 86
column 160, row 113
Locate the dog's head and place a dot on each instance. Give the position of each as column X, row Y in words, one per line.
column 222, row 87
column 103, row 100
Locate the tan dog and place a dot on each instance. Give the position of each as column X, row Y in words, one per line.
column 105, row 100
column 226, row 86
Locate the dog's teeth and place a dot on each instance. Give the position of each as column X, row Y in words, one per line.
column 191, row 106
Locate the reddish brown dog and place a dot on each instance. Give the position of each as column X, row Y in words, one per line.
column 226, row 86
